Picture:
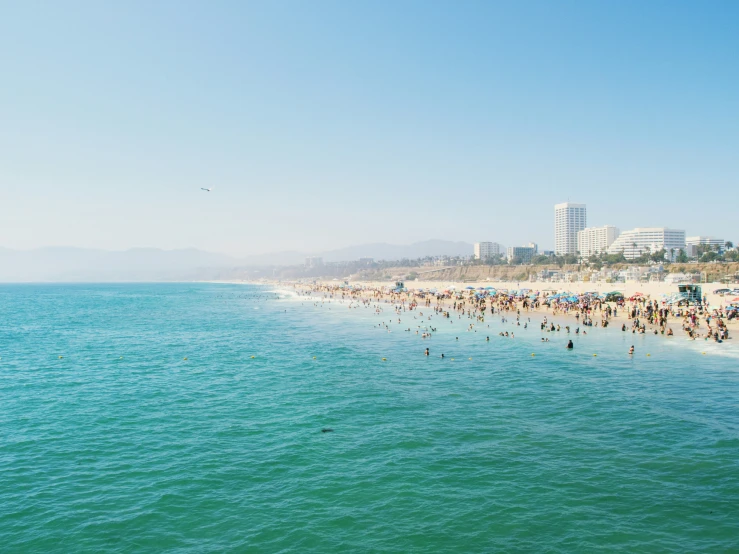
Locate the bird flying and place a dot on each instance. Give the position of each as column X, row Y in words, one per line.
column 207, row 189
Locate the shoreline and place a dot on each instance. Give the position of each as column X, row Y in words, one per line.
column 614, row 317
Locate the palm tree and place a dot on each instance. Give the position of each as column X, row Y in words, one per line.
column 729, row 245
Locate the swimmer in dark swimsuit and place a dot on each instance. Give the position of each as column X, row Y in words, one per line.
column 570, row 346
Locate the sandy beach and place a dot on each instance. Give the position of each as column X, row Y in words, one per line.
column 608, row 313
column 652, row 290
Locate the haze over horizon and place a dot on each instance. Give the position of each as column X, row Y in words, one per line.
column 328, row 125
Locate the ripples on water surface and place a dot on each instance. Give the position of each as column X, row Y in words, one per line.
column 124, row 446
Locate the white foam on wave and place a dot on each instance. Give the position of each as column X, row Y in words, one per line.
column 727, row 349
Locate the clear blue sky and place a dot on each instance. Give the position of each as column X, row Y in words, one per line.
column 325, row 124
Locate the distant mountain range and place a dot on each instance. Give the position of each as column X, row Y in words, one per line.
column 384, row 251
column 68, row 264
column 377, row 250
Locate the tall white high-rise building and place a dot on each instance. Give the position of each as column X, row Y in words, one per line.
column 594, row 240
column 485, row 250
column 644, row 240
column 569, row 218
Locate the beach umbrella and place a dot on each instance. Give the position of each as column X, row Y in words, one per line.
column 470, row 288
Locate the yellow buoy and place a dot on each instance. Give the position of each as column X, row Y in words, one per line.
column 594, row 355
column 452, row 359
column 533, row 354
column 384, row 359
column 253, row 357
column 314, row 357
column 60, row 357
column 648, row 355
column 469, row 358
column 184, row 358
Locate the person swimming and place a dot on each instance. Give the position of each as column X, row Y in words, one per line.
column 427, row 352
column 631, row 350
column 570, row 346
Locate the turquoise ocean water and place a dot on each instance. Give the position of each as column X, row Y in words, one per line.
column 122, row 445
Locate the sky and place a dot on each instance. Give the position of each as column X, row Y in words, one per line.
column 330, row 123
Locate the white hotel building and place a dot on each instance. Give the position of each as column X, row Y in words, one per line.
column 569, row 218
column 312, row 262
column 484, row 250
column 594, row 240
column 635, row 242
column 692, row 244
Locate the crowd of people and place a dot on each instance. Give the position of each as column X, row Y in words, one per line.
column 639, row 314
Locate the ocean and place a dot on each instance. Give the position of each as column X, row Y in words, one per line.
column 188, row 418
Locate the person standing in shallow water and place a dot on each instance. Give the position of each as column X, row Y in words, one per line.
column 570, row 346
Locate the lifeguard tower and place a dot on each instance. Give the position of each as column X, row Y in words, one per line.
column 691, row 293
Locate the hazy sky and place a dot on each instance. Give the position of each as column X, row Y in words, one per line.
column 325, row 124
